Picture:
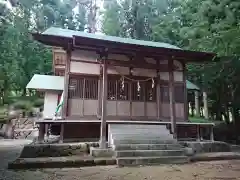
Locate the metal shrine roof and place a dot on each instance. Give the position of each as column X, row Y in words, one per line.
column 78, row 39
column 48, row 82
column 70, row 33
column 191, row 86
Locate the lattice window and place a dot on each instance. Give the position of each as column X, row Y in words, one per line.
column 179, row 93
column 83, row 87
column 164, row 91
column 76, row 88
column 91, row 88
column 112, row 89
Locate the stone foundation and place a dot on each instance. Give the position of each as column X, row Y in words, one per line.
column 56, row 150
column 207, row 146
column 97, row 152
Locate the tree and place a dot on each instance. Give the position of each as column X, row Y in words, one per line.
column 20, row 55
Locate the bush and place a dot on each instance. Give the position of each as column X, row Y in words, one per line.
column 22, row 105
column 3, row 118
column 38, row 103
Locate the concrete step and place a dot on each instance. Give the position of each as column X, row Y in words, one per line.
column 144, row 141
column 137, row 126
column 140, row 136
column 147, row 147
column 131, row 161
column 140, row 128
column 148, row 153
column 147, row 132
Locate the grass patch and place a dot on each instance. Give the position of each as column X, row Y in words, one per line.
column 3, row 115
column 199, row 120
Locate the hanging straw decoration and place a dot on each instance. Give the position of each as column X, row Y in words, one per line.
column 138, row 86
column 153, row 83
column 122, row 82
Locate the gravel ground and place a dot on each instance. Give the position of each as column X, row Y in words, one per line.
column 215, row 170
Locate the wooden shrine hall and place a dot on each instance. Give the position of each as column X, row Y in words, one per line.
column 116, row 80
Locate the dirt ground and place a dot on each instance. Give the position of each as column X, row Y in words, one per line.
column 215, row 170
column 224, row 170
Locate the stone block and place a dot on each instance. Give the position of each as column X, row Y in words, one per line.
column 143, row 141
column 59, row 162
column 97, row 152
column 207, row 146
column 147, row 147
column 133, row 161
column 148, row 153
column 188, row 151
column 54, row 150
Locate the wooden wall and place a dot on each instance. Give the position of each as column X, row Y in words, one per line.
column 84, row 63
column 50, row 103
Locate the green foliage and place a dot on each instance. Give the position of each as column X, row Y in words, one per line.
column 22, row 105
column 212, row 25
column 198, row 120
column 20, row 55
column 38, row 103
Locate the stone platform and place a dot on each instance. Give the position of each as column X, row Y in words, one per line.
column 57, row 150
column 78, row 161
column 207, row 146
column 59, row 162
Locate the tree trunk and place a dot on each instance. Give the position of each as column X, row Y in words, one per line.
column 205, row 105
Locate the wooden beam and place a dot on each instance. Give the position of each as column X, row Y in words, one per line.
column 117, row 46
column 172, row 99
column 104, row 103
column 139, row 64
column 66, row 81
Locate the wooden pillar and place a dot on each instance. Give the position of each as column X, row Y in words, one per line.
column 205, row 105
column 61, row 133
column 211, row 133
column 198, row 133
column 41, row 133
column 185, row 93
column 104, row 102
column 172, row 99
column 46, row 134
column 66, row 82
column 99, row 97
column 158, row 96
column 197, row 107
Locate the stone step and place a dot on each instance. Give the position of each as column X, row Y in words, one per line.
column 136, row 126
column 148, row 153
column 147, row 147
column 147, row 132
column 140, row 136
column 131, row 161
column 144, row 141
column 139, row 129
